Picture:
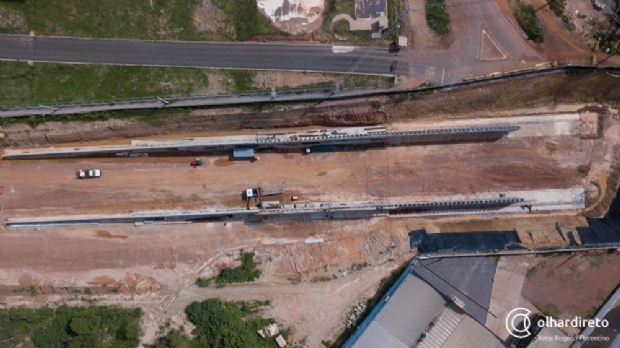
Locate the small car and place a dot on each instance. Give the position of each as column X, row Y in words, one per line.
column 88, row 173
column 196, row 163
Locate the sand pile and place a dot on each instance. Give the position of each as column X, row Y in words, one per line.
column 293, row 16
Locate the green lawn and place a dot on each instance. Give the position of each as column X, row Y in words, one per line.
column 138, row 19
column 245, row 18
column 341, row 28
column 46, row 83
column 437, row 17
column 22, row 84
column 368, row 81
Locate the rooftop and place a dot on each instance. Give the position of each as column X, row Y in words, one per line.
column 417, row 315
column 368, row 9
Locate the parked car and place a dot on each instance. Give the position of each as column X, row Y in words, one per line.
column 88, row 173
column 196, row 163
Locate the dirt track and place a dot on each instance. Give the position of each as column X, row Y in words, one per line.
column 374, row 174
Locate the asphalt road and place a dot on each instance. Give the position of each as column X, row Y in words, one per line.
column 200, row 54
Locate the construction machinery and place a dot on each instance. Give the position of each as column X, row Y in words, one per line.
column 262, row 191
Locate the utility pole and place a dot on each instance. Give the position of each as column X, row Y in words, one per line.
column 370, row 50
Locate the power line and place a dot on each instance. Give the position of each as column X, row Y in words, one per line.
column 370, row 50
column 455, row 288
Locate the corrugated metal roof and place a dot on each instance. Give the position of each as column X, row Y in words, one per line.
column 366, row 9
column 408, row 314
column 405, row 316
column 470, row 279
column 243, row 153
column 470, row 334
column 376, row 336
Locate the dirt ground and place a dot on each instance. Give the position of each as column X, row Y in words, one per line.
column 316, row 311
column 293, row 16
column 566, row 286
column 374, row 174
column 275, row 79
column 207, row 17
column 560, row 44
column 156, row 266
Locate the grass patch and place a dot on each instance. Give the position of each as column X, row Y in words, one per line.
column 152, row 116
column 21, row 84
column 342, row 29
column 70, row 327
column 240, row 80
column 334, row 8
column 110, row 18
column 526, row 17
column 322, row 279
column 149, row 20
column 354, row 81
column 437, row 17
column 531, row 272
column 245, row 273
column 591, row 312
column 245, row 18
column 548, row 309
column 596, row 260
column 393, row 12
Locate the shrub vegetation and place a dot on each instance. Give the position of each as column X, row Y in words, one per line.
column 93, row 327
column 526, row 17
column 437, row 17
column 223, row 325
column 247, row 272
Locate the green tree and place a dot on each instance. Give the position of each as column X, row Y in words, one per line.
column 174, row 339
column 7, row 330
column 50, row 337
column 526, row 17
column 90, row 341
column 133, row 331
column 85, row 323
column 221, row 325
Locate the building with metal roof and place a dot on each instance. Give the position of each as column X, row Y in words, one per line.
column 414, row 314
column 367, row 9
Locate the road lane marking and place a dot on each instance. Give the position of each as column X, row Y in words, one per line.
column 343, row 49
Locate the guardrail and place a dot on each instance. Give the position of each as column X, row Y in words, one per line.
column 260, row 96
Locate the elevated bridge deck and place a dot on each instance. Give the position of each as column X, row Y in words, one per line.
column 339, row 137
